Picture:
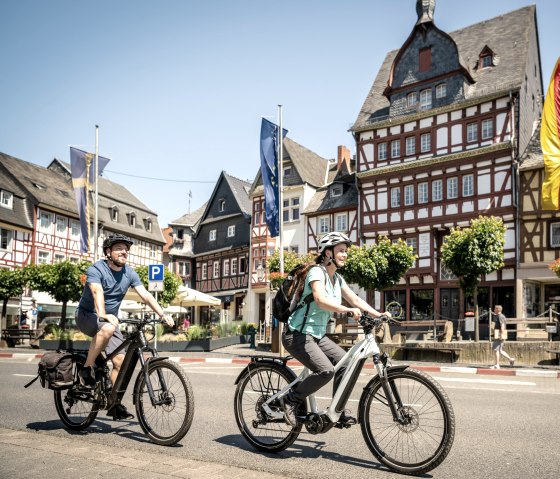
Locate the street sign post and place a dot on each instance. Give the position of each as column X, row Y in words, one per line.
column 155, row 277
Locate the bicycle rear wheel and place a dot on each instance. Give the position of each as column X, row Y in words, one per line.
column 424, row 438
column 166, row 422
column 257, row 385
column 77, row 407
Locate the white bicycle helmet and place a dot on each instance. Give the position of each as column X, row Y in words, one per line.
column 332, row 239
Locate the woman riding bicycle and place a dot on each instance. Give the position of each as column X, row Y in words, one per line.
column 107, row 281
column 305, row 335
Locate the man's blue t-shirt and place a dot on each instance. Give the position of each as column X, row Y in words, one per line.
column 115, row 284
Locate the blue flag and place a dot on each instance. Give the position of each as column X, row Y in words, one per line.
column 83, row 177
column 269, row 173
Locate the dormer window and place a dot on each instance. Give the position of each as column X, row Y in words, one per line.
column 426, row 99
column 336, row 190
column 6, row 199
column 425, row 59
column 441, row 90
column 412, row 99
column 114, row 213
column 486, row 58
column 132, row 219
column 486, row 61
column 287, row 171
column 148, row 223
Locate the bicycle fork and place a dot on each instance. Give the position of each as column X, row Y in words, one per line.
column 390, row 389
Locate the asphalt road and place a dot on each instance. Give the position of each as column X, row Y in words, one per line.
column 505, row 428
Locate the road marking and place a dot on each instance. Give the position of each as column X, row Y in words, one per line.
column 25, row 375
column 484, row 381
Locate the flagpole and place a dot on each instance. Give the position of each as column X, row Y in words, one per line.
column 280, row 213
column 96, row 169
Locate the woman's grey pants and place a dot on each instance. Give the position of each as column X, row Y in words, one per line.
column 319, row 356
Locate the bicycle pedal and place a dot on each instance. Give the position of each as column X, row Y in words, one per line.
column 339, row 425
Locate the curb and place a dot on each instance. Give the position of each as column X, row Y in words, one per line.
column 515, row 372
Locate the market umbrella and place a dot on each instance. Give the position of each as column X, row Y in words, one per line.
column 174, row 309
column 191, row 297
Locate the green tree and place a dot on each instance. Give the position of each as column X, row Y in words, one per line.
column 12, row 282
column 378, row 266
column 473, row 251
column 171, row 283
column 63, row 281
column 291, row 260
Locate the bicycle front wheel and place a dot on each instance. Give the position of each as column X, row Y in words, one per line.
column 77, row 407
column 168, row 420
column 424, row 434
column 255, row 387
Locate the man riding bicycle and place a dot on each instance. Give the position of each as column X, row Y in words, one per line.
column 305, row 335
column 107, row 282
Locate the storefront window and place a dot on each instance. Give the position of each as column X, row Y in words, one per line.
column 483, row 303
column 421, row 304
column 395, row 303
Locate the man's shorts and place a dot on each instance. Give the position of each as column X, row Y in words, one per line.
column 90, row 324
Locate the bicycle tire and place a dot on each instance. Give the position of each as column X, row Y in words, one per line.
column 257, row 385
column 424, row 442
column 76, row 407
column 165, row 424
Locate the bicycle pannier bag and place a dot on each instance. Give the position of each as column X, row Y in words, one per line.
column 287, row 299
column 55, row 370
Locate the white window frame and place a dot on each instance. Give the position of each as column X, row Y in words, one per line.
column 441, row 90
column 412, row 99
column 290, row 210
column 396, row 197
column 472, row 132
column 287, row 171
column 425, row 142
column 233, row 266
column 6, row 199
column 46, row 225
column 216, row 269
column 132, row 219
column 222, row 205
column 486, row 61
column 426, row 99
column 555, row 235
column 74, row 229
column 43, row 257
column 226, row 267
column 423, row 196
column 323, row 225
column 414, row 243
column 58, row 231
column 452, row 188
column 381, row 151
column 487, row 129
column 410, row 145
column 242, row 265
column 231, row 231
column 395, row 148
column 341, row 221
column 6, row 239
column 336, row 190
column 212, row 235
column 437, row 190
column 59, row 258
column 468, row 185
column 204, row 273
column 408, row 195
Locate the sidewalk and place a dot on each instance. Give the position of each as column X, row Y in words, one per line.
column 241, row 354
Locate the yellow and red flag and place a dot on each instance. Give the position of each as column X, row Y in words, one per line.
column 550, row 143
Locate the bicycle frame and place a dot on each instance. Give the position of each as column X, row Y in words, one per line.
column 137, row 345
column 353, row 360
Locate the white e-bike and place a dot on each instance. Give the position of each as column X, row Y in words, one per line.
column 406, row 418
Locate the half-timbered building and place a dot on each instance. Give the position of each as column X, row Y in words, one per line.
column 39, row 221
column 221, row 249
column 539, row 237
column 303, row 172
column 437, row 141
column 334, row 206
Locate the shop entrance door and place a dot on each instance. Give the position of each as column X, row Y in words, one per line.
column 449, row 304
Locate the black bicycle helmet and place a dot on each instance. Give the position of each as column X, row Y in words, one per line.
column 332, row 239
column 116, row 238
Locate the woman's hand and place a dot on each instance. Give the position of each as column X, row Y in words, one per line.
column 168, row 320
column 356, row 313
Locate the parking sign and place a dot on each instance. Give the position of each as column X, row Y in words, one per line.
column 155, row 272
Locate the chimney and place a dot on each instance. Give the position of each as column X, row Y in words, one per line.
column 343, row 157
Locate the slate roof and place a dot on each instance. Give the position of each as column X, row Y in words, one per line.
column 240, row 189
column 322, row 201
column 113, row 194
column 310, row 167
column 190, row 219
column 21, row 213
column 506, row 35
column 533, row 158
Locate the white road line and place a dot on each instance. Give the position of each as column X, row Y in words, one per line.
column 25, row 375
column 484, row 381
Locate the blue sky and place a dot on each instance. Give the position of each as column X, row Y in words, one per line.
column 178, row 88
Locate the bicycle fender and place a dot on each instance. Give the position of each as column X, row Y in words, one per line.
column 368, row 386
column 255, row 360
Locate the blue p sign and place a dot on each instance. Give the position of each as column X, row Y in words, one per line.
column 155, row 272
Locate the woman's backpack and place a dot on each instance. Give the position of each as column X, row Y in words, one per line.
column 55, row 370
